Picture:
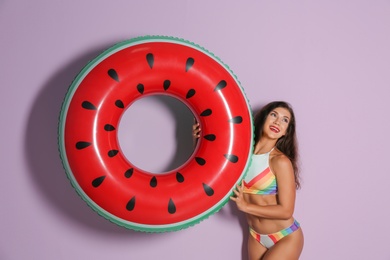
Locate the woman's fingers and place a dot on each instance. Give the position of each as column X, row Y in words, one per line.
column 237, row 192
column 196, row 130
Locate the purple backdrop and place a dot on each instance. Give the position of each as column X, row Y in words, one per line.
column 330, row 59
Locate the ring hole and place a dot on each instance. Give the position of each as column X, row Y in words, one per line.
column 155, row 133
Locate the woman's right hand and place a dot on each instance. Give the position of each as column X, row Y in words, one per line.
column 195, row 132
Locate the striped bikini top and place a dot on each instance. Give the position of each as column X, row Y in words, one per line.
column 260, row 179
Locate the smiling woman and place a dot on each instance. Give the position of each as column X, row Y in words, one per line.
column 267, row 194
column 108, row 181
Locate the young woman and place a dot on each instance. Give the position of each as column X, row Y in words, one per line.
column 267, row 193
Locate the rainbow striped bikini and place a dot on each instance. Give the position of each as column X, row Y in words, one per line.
column 261, row 180
column 270, row 239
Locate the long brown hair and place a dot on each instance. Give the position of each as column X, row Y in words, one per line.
column 287, row 144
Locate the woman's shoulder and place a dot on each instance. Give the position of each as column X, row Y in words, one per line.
column 279, row 161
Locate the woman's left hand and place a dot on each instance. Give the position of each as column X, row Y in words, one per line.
column 239, row 197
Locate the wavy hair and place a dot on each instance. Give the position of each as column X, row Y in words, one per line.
column 287, row 144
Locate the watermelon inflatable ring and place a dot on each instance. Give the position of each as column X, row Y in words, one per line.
column 93, row 160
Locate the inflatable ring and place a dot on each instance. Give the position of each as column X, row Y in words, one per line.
column 108, row 181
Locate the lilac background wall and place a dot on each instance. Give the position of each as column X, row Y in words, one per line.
column 330, row 59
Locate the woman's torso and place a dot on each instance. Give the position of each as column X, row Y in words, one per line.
column 261, row 189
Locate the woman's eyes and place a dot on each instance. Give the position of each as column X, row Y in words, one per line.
column 273, row 114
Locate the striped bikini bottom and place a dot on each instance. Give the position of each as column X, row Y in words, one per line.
column 271, row 239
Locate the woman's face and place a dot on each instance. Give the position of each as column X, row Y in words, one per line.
column 276, row 123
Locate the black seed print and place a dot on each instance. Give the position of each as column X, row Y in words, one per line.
column 112, row 153
column 150, row 59
column 153, row 182
column 119, row 104
column 81, row 145
column 190, row 93
column 131, row 204
column 236, row 120
column 231, row 157
column 96, row 182
column 200, row 161
column 209, row 191
column 112, row 73
column 207, row 112
column 210, row 137
column 189, row 63
column 129, row 173
column 179, row 177
column 109, row 127
column 171, row 207
column 220, row 85
column 166, row 84
column 88, row 105
column 140, row 88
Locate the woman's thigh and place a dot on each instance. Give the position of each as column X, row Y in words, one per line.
column 255, row 249
column 289, row 247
